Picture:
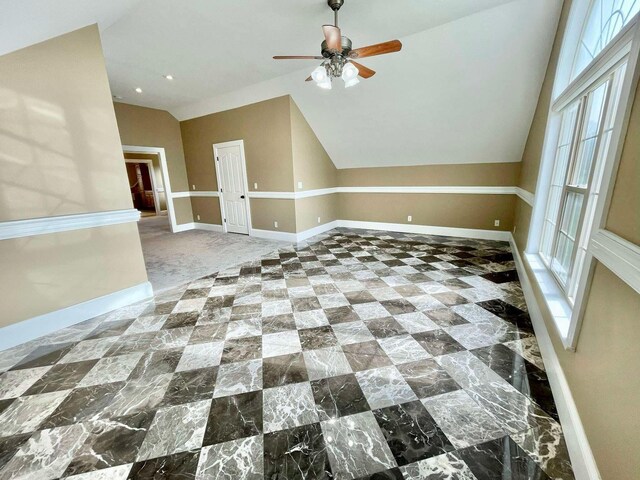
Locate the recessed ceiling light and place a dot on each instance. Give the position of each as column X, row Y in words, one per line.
column 139, row 90
column 169, row 77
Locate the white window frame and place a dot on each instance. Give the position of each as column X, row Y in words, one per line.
column 624, row 47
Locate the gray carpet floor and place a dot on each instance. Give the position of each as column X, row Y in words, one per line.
column 173, row 259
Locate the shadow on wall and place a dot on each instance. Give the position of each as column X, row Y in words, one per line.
column 41, row 175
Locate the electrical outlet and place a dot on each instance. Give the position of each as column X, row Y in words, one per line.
column 198, row 217
column 193, row 187
column 318, row 219
column 409, row 218
column 275, row 224
column 255, row 186
column 496, row 223
column 300, row 185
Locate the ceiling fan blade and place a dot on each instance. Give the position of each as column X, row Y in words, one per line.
column 363, row 71
column 378, row 49
column 297, row 57
column 309, row 78
column 333, row 36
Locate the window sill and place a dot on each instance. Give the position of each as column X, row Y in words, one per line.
column 554, row 298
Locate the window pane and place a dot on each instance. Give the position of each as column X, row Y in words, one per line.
column 589, row 136
column 571, row 214
column 606, row 19
column 561, row 261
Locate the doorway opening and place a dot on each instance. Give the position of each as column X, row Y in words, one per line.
column 231, row 173
column 152, row 162
column 142, row 184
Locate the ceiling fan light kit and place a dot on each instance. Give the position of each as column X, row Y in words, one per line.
column 338, row 55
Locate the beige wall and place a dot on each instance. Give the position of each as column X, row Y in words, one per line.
column 59, row 148
column 45, row 273
column 309, row 209
column 266, row 211
column 311, row 164
column 624, row 213
column 442, row 210
column 148, row 127
column 602, row 373
column 60, row 154
column 265, row 128
column 474, row 174
column 208, row 208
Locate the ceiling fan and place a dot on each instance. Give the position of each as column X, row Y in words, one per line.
column 338, row 55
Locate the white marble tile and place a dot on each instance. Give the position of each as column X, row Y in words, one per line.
column 281, row 343
column 466, row 369
column 201, row 355
column 235, row 460
column 175, row 429
column 326, row 362
column 240, row 377
column 368, row 311
column 25, row 414
column 462, row 420
column 416, row 322
column 384, row 387
column 352, row 332
column 288, row 406
column 448, row 466
column 46, row 454
column 111, row 369
column 15, row 383
column 121, row 472
column 356, row 446
column 244, row 328
column 191, row 305
column 310, row 319
column 403, row 349
column 279, row 307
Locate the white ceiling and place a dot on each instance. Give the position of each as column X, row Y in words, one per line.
column 463, row 90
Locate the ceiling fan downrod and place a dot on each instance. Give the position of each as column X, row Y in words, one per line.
column 335, row 6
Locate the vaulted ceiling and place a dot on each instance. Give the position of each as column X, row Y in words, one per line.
column 463, row 89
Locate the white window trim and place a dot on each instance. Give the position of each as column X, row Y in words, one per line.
column 567, row 319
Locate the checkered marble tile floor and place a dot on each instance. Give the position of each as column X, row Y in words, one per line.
column 361, row 354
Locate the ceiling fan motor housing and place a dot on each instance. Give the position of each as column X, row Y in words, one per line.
column 346, row 48
column 335, row 4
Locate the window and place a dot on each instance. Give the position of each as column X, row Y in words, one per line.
column 606, row 19
column 579, row 151
column 585, row 133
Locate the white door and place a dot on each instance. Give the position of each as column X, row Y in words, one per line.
column 232, row 184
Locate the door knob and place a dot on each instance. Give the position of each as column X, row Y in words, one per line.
column 242, row 196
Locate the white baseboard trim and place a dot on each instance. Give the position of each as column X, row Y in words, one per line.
column 274, row 235
column 184, row 227
column 312, row 232
column 210, row 227
column 584, row 464
column 428, row 230
column 394, row 227
column 36, row 327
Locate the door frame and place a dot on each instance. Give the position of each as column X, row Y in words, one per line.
column 165, row 177
column 247, row 203
column 152, row 175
